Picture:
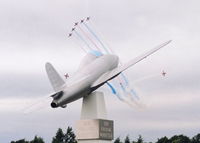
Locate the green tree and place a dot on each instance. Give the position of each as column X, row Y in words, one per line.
column 37, row 140
column 59, row 136
column 69, row 137
column 163, row 140
column 196, row 139
column 179, row 139
column 117, row 140
column 140, row 139
column 127, row 140
column 20, row 141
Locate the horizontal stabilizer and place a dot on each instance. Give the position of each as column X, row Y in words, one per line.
column 56, row 81
column 115, row 72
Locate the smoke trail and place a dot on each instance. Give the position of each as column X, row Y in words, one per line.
column 135, row 104
column 93, row 27
column 123, row 87
column 125, row 79
column 146, row 77
column 128, row 98
column 126, row 88
column 107, row 51
column 39, row 104
column 114, row 91
column 97, row 38
column 127, row 91
column 78, row 44
column 134, row 94
column 88, row 37
column 81, row 38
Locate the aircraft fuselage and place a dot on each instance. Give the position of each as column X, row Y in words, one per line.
column 80, row 84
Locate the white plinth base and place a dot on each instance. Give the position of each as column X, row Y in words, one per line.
column 93, row 107
column 90, row 129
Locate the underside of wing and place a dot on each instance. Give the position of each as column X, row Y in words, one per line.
column 115, row 72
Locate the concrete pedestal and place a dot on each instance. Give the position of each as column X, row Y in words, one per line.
column 94, row 126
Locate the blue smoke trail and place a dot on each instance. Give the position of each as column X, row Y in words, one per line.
column 112, row 88
column 91, row 40
column 127, row 90
column 114, row 91
column 134, row 94
column 91, row 31
column 123, row 87
column 80, row 37
column 125, row 79
column 79, row 44
column 97, row 38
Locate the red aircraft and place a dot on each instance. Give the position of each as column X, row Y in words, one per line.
column 82, row 20
column 70, row 34
column 76, row 24
column 164, row 73
column 88, row 18
column 73, row 29
column 66, row 75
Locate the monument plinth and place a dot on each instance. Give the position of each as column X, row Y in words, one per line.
column 94, row 126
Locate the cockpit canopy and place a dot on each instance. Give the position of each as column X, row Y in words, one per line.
column 96, row 53
column 89, row 57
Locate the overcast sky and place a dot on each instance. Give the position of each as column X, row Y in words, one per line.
column 34, row 32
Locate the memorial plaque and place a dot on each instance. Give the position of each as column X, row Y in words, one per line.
column 94, row 129
column 105, row 129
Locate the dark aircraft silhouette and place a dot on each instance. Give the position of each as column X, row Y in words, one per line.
column 70, row 34
column 88, row 18
column 164, row 73
column 82, row 20
column 76, row 24
column 73, row 29
column 66, row 75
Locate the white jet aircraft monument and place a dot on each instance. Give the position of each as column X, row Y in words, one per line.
column 98, row 67
column 95, row 70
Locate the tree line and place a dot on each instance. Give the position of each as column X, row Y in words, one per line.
column 173, row 139
column 70, row 137
column 60, row 137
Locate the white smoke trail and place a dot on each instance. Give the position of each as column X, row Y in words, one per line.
column 146, row 77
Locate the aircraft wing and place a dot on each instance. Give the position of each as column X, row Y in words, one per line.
column 56, row 81
column 115, row 72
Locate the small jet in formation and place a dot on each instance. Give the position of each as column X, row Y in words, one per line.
column 82, row 20
column 88, row 18
column 76, row 24
column 66, row 75
column 73, row 29
column 94, row 71
column 70, row 34
column 164, row 73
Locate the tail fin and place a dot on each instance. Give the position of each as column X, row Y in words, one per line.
column 56, row 81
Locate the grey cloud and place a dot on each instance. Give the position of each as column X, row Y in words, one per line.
column 16, row 85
